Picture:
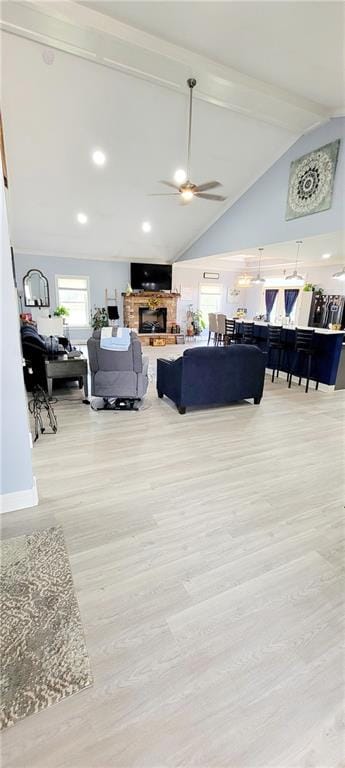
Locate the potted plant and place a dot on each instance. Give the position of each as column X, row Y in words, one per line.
column 61, row 312
column 195, row 322
column 311, row 287
column 99, row 318
column 198, row 322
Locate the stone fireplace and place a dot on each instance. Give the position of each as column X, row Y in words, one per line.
column 152, row 320
column 161, row 320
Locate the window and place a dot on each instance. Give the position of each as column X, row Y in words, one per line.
column 73, row 293
column 278, row 310
column 210, row 300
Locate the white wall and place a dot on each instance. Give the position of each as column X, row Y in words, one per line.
column 320, row 276
column 102, row 274
column 17, row 485
column 188, row 281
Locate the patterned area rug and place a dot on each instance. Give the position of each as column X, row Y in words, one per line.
column 43, row 651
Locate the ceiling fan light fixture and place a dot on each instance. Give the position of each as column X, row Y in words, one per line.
column 183, row 186
column 187, row 195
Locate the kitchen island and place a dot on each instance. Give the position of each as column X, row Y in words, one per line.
column 329, row 355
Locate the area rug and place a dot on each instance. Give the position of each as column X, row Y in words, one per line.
column 43, row 652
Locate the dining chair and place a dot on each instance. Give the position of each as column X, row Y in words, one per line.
column 212, row 327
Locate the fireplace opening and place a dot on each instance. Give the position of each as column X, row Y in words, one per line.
column 152, row 320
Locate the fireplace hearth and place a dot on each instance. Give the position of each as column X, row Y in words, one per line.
column 152, row 320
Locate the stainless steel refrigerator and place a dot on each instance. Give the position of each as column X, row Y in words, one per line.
column 325, row 309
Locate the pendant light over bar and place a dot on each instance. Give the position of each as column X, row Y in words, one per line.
column 295, row 276
column 258, row 280
column 339, row 275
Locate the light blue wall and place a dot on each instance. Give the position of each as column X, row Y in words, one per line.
column 102, row 274
column 15, row 466
column 258, row 217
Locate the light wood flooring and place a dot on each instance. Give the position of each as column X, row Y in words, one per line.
column 207, row 552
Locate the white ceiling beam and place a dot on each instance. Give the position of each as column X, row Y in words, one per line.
column 75, row 29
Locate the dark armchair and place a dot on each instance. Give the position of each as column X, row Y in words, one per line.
column 209, row 375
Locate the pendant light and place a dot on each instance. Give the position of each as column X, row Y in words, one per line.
column 258, row 280
column 295, row 276
column 339, row 275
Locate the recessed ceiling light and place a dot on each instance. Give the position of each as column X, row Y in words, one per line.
column 326, row 256
column 146, row 226
column 98, row 157
column 82, row 218
column 180, row 176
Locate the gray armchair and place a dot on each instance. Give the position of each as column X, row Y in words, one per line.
column 117, row 374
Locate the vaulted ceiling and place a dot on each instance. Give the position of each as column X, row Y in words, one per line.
column 76, row 79
column 295, row 45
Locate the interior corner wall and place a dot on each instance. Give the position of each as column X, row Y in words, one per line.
column 102, row 275
column 258, row 217
column 17, row 485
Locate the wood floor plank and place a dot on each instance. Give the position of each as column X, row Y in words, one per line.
column 207, row 553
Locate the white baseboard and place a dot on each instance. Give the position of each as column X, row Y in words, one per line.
column 9, row 502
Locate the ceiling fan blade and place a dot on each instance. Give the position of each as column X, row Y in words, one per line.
column 207, row 185
column 169, row 184
column 163, row 194
column 209, row 197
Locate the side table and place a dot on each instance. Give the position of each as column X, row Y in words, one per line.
column 67, row 368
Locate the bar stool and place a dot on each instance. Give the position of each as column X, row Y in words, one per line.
column 277, row 345
column 248, row 333
column 212, row 327
column 304, row 346
column 230, row 331
column 238, row 333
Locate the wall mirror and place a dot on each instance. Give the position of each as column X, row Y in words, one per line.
column 36, row 289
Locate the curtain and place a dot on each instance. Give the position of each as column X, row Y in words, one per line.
column 290, row 298
column 270, row 297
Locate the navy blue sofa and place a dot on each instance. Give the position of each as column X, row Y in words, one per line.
column 209, row 375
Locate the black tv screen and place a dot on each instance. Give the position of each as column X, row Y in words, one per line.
column 151, row 277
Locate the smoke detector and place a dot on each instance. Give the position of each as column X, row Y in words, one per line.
column 48, row 56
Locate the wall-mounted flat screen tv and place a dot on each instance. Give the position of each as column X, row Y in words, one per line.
column 151, row 277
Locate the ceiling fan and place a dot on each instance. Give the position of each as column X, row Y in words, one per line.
column 187, row 190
